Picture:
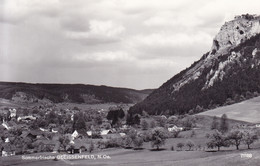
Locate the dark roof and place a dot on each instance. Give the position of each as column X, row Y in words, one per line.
column 34, row 133
column 8, row 147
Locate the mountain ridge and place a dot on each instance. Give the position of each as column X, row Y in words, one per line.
column 229, row 71
column 77, row 93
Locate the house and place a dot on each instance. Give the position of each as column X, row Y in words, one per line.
column 54, row 130
column 175, row 128
column 122, row 134
column 42, row 129
column 26, row 118
column 35, row 134
column 79, row 146
column 8, row 149
column 6, row 125
column 89, row 133
column 105, row 132
column 12, row 113
column 74, row 134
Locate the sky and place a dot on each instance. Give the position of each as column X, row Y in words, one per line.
column 136, row 44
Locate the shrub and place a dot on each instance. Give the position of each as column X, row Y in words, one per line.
column 138, row 142
column 180, row 145
column 144, row 124
column 114, row 142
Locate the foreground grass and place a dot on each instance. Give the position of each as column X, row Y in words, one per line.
column 151, row 158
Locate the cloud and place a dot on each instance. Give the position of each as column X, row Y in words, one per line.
column 137, row 43
column 99, row 32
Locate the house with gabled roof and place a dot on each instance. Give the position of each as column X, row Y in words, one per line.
column 8, row 149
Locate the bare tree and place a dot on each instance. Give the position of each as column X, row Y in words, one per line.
column 190, row 144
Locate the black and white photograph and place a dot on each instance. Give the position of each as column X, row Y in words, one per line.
column 129, row 83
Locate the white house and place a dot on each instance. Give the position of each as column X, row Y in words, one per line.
column 89, row 133
column 175, row 128
column 105, row 132
column 42, row 129
column 5, row 124
column 26, row 118
column 122, row 134
column 12, row 113
column 74, row 134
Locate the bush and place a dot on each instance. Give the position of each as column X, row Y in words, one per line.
column 180, row 145
column 146, row 136
column 138, row 142
column 113, row 143
column 127, row 142
column 144, row 124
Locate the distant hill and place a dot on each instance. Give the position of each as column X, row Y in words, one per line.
column 248, row 111
column 227, row 74
column 75, row 93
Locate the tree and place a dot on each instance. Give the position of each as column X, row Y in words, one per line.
column 145, row 114
column 224, row 123
column 144, row 124
column 52, row 117
column 138, row 142
column 190, row 144
column 214, row 124
column 217, row 140
column 64, row 141
column 79, row 122
column 174, row 133
column 115, row 115
column 193, row 134
column 132, row 133
column 161, row 121
column 152, row 123
column 249, row 138
column 97, row 119
column 127, row 142
column 236, row 137
column 158, row 137
column 129, row 118
column 136, row 119
column 180, row 145
column 91, row 147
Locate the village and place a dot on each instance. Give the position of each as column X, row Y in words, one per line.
column 48, row 128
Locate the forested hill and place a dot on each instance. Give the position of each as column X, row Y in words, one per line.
column 76, row 93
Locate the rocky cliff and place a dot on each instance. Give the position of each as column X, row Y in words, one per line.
column 228, row 73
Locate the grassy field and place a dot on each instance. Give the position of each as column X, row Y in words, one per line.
column 248, row 111
column 129, row 157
